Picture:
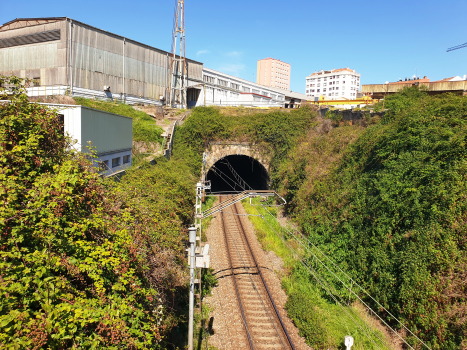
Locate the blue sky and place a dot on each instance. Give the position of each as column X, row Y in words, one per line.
column 381, row 40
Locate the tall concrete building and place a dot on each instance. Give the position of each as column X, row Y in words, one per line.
column 273, row 73
column 335, row 84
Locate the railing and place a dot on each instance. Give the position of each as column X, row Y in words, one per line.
column 168, row 142
column 55, row 90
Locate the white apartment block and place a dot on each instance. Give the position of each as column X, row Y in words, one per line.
column 335, row 84
column 222, row 89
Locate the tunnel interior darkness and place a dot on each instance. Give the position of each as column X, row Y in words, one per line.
column 223, row 179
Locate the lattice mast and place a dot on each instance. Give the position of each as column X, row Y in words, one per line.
column 177, row 93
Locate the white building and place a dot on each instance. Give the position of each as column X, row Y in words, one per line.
column 110, row 135
column 221, row 89
column 336, row 84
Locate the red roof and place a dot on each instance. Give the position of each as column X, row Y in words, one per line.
column 333, row 71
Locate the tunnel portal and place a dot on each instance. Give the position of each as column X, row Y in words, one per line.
column 223, row 179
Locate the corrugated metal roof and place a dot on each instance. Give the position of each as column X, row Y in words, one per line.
column 56, row 19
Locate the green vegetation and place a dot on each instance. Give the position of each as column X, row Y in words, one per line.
column 84, row 262
column 391, row 209
column 322, row 323
column 89, row 263
column 275, row 133
column 144, row 127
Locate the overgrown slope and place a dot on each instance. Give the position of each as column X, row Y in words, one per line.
column 84, row 262
column 392, row 211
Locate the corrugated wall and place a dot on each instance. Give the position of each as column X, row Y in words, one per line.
column 98, row 62
column 46, row 60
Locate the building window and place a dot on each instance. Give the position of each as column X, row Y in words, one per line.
column 208, row 79
column 235, row 86
column 115, row 162
column 337, row 87
column 317, row 90
column 324, row 90
column 222, row 82
column 126, row 159
column 103, row 166
column 245, row 89
column 36, row 81
column 329, row 94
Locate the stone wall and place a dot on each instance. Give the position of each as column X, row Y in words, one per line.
column 349, row 114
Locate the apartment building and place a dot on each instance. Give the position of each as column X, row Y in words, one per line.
column 273, row 73
column 335, row 84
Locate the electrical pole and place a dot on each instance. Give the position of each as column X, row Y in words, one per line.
column 177, row 92
column 192, row 239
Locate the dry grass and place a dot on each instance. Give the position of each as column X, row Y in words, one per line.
column 56, row 99
column 394, row 342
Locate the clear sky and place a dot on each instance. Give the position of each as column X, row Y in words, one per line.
column 382, row 40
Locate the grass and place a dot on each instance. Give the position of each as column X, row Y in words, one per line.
column 321, row 321
column 144, row 127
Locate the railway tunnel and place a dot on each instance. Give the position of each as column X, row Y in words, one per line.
column 234, row 173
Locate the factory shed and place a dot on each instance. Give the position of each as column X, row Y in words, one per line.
column 62, row 55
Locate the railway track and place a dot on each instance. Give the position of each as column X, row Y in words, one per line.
column 262, row 323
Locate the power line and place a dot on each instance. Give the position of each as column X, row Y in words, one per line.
column 457, row 47
column 315, row 273
column 353, row 282
column 322, row 283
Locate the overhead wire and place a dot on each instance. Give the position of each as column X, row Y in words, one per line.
column 323, row 285
column 353, row 283
column 315, row 273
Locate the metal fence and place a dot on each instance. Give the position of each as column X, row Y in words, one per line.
column 56, row 90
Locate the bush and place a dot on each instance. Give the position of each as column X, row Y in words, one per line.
column 83, row 263
column 394, row 209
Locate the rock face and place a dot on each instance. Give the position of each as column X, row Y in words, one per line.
column 219, row 150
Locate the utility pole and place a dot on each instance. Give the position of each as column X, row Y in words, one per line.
column 192, row 239
column 200, row 260
column 177, row 92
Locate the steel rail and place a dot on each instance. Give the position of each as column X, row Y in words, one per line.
column 250, row 341
column 264, row 282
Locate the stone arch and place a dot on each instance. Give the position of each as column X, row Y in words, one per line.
column 219, row 150
column 235, row 158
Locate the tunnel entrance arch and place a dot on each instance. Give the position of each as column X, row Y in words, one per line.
column 236, row 173
column 245, row 160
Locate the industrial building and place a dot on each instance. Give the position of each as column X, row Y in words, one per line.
column 109, row 135
column 453, row 85
column 335, row 84
column 226, row 90
column 274, row 73
column 60, row 54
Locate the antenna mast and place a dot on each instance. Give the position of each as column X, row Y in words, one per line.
column 177, row 93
